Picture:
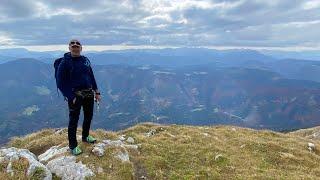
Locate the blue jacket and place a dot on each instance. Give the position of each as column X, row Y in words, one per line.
column 74, row 75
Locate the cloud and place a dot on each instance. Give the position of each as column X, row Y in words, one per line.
column 240, row 23
column 311, row 4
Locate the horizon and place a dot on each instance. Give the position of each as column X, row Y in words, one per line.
column 101, row 48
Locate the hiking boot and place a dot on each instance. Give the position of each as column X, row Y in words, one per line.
column 76, row 151
column 90, row 139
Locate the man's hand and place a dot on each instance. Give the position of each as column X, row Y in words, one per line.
column 98, row 97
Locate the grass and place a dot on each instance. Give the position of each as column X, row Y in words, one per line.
column 193, row 152
column 19, row 168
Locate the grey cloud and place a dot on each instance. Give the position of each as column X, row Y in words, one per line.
column 139, row 22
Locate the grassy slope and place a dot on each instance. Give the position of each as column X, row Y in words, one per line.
column 189, row 152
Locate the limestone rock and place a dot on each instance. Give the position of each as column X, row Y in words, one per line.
column 58, row 131
column 122, row 137
column 150, row 133
column 67, row 168
column 123, row 156
column 53, row 151
column 311, row 147
column 12, row 154
column 98, row 149
column 118, row 143
column 130, row 140
column 9, row 169
column 218, row 157
column 286, row 155
column 100, row 170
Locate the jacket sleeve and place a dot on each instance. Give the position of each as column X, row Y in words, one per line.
column 93, row 80
column 63, row 82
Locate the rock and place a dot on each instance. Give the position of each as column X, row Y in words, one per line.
column 131, row 146
column 130, row 140
column 113, row 142
column 122, row 137
column 98, row 149
column 150, row 133
column 118, row 143
column 218, row 157
column 53, row 151
column 123, row 156
column 311, row 147
column 316, row 135
column 286, row 155
column 171, row 135
column 9, row 169
column 205, row 134
column 58, row 131
column 2, row 159
column 100, row 170
column 67, row 168
column 143, row 177
column 12, row 154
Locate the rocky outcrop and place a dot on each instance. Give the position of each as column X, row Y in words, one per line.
column 53, row 151
column 13, row 154
column 67, row 168
column 56, row 160
column 64, row 167
column 123, row 155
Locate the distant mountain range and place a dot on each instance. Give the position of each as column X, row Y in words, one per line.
column 182, row 86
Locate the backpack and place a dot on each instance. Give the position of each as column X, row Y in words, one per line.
column 56, row 65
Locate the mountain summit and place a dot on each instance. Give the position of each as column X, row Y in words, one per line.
column 154, row 151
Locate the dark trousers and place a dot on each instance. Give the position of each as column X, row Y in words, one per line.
column 74, row 113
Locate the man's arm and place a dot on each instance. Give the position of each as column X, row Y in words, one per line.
column 93, row 80
column 62, row 83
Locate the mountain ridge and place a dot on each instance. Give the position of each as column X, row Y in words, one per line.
column 197, row 95
column 157, row 151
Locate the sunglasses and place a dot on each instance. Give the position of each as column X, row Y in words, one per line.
column 74, row 42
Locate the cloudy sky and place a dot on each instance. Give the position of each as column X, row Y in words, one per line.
column 271, row 24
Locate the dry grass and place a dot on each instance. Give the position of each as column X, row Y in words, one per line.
column 19, row 168
column 193, row 152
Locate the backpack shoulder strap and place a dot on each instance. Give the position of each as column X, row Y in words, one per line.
column 87, row 60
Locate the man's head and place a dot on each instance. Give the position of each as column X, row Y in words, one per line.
column 75, row 47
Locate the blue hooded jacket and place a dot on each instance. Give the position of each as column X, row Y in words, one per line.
column 74, row 75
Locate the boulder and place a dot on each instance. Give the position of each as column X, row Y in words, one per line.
column 311, row 147
column 67, row 168
column 12, row 154
column 130, row 140
column 123, row 156
column 98, row 149
column 53, row 151
column 150, row 133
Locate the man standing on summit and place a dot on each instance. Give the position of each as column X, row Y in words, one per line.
column 76, row 81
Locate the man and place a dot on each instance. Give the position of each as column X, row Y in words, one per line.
column 76, row 81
